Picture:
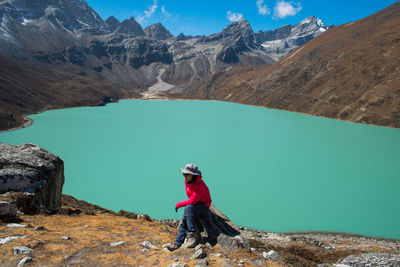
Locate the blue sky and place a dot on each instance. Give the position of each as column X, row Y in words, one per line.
column 210, row 16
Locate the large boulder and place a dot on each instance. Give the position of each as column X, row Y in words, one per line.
column 218, row 228
column 31, row 169
column 8, row 212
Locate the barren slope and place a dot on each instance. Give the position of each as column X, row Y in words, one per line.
column 351, row 72
column 27, row 88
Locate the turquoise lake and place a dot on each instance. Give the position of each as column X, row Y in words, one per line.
column 266, row 169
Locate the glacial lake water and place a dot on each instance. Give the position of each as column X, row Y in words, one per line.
column 266, row 169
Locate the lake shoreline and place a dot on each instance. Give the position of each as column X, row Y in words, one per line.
column 152, row 96
column 29, row 122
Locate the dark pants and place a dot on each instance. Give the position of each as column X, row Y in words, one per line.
column 188, row 223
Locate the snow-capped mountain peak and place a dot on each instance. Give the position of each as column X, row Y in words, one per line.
column 287, row 38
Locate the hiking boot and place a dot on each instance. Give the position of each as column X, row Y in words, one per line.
column 172, row 247
column 192, row 239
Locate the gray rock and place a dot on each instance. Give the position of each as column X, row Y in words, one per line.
column 271, row 255
column 66, row 237
column 226, row 264
column 199, row 253
column 219, row 229
column 372, row 259
column 29, row 168
column 23, row 261
column 232, row 243
column 321, row 244
column 177, row 264
column 39, row 228
column 147, row 244
column 201, row 263
column 9, row 239
column 22, row 250
column 258, row 262
column 166, row 245
column 16, row 225
column 118, row 243
column 8, row 212
column 208, row 245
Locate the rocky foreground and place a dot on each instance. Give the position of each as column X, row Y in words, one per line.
column 82, row 234
column 41, row 226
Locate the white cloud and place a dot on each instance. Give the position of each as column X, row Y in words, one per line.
column 167, row 14
column 262, row 8
column 284, row 9
column 148, row 13
column 233, row 16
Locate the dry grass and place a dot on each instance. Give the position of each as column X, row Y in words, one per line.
column 90, row 238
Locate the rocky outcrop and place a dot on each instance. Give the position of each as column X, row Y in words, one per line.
column 31, row 169
column 372, row 259
column 215, row 228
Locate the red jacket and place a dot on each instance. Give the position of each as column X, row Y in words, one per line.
column 198, row 191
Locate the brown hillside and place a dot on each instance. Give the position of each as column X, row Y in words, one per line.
column 351, row 72
column 26, row 88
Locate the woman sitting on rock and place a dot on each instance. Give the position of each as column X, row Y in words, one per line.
column 198, row 203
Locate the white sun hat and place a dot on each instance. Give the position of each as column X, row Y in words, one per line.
column 191, row 169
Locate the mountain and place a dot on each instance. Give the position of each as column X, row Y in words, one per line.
column 351, row 72
column 45, row 25
column 130, row 27
column 280, row 42
column 157, row 31
column 70, row 38
column 238, row 39
column 112, row 23
column 196, row 58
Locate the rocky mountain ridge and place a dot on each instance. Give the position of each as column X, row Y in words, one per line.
column 65, row 27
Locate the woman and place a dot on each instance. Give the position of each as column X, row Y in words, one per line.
column 198, row 202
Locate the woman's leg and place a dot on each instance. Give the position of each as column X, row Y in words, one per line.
column 191, row 212
column 190, row 215
column 181, row 232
